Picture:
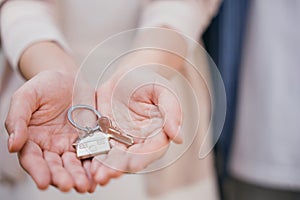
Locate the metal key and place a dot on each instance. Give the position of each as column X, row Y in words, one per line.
column 91, row 145
column 106, row 126
column 95, row 141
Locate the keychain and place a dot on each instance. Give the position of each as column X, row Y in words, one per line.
column 96, row 140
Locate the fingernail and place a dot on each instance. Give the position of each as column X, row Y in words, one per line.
column 11, row 141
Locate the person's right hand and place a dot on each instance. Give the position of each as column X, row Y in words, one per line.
column 41, row 134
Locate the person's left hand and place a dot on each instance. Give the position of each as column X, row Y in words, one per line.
column 151, row 113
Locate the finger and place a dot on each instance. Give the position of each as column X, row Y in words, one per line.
column 29, row 156
column 23, row 104
column 169, row 105
column 87, row 167
column 112, row 166
column 97, row 169
column 132, row 160
column 75, row 168
column 108, row 174
column 139, row 156
column 96, row 163
column 60, row 176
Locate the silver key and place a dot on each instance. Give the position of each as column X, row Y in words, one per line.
column 94, row 142
column 91, row 145
column 96, row 139
column 106, row 126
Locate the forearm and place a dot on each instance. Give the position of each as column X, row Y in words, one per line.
column 31, row 39
column 159, row 49
column 187, row 19
column 43, row 56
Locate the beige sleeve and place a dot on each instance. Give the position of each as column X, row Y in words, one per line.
column 24, row 22
column 191, row 17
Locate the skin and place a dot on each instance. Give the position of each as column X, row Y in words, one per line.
column 154, row 120
column 42, row 136
column 38, row 127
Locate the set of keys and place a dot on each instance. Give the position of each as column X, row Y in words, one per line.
column 96, row 140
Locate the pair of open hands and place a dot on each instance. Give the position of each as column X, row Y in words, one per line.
column 41, row 134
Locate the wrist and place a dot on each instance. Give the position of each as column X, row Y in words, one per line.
column 164, row 48
column 44, row 56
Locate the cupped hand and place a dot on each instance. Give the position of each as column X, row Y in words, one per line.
column 145, row 107
column 42, row 136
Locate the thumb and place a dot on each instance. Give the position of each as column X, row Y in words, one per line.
column 23, row 104
column 170, row 107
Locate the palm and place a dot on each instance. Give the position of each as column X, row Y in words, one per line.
column 142, row 115
column 48, row 126
column 52, row 134
column 48, row 155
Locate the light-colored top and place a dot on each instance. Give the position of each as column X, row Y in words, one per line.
column 267, row 135
column 78, row 26
column 84, row 24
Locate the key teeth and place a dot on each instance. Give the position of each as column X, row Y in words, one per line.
column 109, row 131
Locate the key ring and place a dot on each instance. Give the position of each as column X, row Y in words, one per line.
column 82, row 128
